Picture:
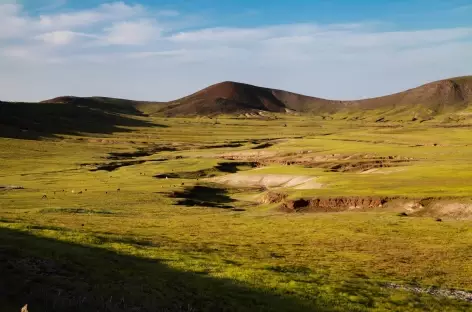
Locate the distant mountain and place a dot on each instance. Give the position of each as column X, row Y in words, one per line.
column 237, row 98
column 424, row 102
column 106, row 104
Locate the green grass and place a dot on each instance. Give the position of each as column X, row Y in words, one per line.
column 113, row 250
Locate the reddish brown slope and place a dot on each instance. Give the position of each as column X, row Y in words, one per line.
column 438, row 97
column 232, row 97
column 449, row 93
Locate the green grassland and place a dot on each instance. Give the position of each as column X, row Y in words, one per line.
column 117, row 240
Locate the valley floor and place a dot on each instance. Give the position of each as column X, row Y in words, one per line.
column 290, row 214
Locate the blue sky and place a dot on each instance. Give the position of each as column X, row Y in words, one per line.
column 164, row 49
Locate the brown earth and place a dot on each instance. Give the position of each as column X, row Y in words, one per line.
column 236, row 98
column 361, row 163
column 333, row 204
column 268, row 181
column 449, row 208
column 272, row 198
column 428, row 100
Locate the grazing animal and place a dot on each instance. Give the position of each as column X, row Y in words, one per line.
column 44, row 197
column 118, row 190
column 79, row 192
column 86, row 190
column 106, row 192
column 25, row 308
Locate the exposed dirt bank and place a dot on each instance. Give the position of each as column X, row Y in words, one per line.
column 455, row 208
column 269, row 181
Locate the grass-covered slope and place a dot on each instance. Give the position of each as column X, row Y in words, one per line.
column 130, row 221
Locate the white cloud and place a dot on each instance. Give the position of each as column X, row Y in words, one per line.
column 170, row 53
column 12, row 24
column 309, row 58
column 132, row 33
column 104, row 13
column 16, row 52
column 62, row 37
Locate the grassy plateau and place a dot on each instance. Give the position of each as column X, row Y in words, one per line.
column 133, row 219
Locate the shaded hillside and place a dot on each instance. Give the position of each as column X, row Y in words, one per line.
column 106, row 104
column 33, row 120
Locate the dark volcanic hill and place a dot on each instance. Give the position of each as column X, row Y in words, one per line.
column 235, row 98
column 440, row 97
column 451, row 99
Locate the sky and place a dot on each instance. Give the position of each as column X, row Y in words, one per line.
column 164, row 49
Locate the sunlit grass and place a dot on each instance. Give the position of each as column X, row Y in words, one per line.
column 335, row 260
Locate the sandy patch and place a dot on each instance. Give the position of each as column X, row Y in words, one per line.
column 268, row 181
column 381, row 171
column 248, row 154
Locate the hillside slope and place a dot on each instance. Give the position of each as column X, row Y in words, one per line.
column 446, row 97
column 106, row 104
column 67, row 116
column 230, row 97
column 236, row 98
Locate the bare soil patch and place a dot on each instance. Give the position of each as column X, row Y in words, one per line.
column 10, row 187
column 334, row 204
column 360, row 165
column 434, row 291
column 268, row 181
column 436, row 207
column 77, row 211
column 272, row 197
column 330, row 162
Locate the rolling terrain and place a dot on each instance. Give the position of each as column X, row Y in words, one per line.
column 312, row 205
column 424, row 102
column 446, row 101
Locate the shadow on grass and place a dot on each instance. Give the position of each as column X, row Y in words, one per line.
column 35, row 120
column 233, row 167
column 202, row 195
column 51, row 276
column 220, row 168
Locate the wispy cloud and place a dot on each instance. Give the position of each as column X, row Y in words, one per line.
column 300, row 57
column 104, row 13
column 133, row 33
column 63, row 37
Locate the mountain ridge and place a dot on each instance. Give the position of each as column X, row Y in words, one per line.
column 228, row 97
